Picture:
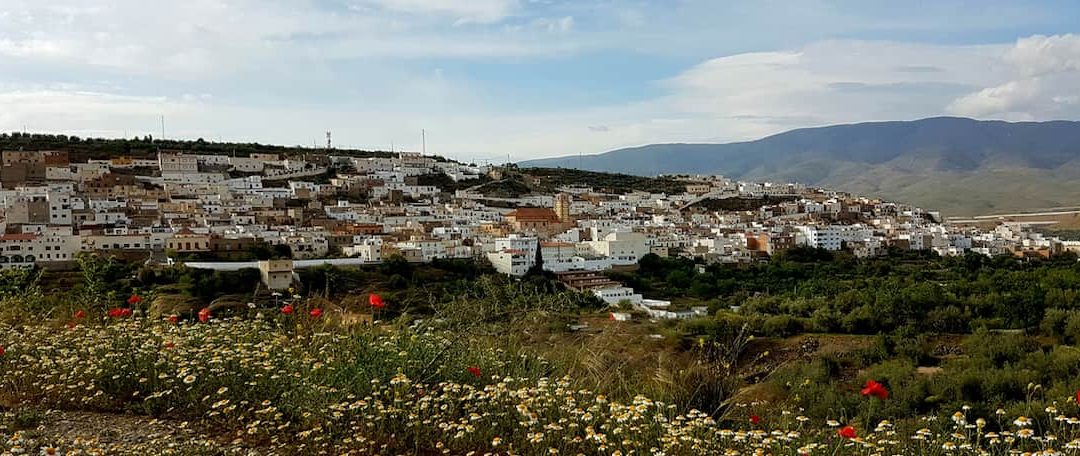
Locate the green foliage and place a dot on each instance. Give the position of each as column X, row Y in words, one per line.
column 106, row 282
column 82, row 149
column 19, row 284
column 995, row 368
column 551, row 178
column 835, row 292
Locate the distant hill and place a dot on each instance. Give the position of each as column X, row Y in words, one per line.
column 82, row 149
column 960, row 166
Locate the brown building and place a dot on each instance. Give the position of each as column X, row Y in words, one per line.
column 757, row 242
column 339, row 240
column 220, row 244
column 17, row 174
column 562, row 206
column 28, row 212
column 55, row 158
column 778, row 242
column 585, row 280
column 409, row 254
column 12, row 157
column 538, row 219
column 188, row 241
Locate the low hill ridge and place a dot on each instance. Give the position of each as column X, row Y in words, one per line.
column 958, row 165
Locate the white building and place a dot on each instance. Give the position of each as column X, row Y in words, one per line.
column 511, row 262
column 832, row 237
column 367, row 249
column 177, row 163
column 624, row 247
column 526, row 244
column 558, row 256
column 616, row 295
column 59, row 208
column 27, row 249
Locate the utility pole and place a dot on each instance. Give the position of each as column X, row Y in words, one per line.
column 162, row 127
column 423, row 142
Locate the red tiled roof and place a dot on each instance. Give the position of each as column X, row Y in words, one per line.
column 18, row 237
column 533, row 213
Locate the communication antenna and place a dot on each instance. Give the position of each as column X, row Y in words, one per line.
column 163, row 127
column 329, row 145
column 423, row 142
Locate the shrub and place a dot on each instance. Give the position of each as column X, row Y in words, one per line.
column 781, row 326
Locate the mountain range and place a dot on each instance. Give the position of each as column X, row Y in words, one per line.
column 957, row 165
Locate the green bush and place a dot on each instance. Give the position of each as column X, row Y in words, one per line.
column 781, row 326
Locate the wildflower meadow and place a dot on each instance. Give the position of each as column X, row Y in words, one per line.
column 298, row 383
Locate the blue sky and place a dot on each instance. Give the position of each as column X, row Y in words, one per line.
column 528, row 78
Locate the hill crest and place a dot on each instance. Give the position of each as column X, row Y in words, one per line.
column 959, row 165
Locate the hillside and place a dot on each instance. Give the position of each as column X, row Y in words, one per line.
column 82, row 149
column 960, row 166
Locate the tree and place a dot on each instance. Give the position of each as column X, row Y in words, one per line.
column 678, row 279
column 95, row 271
column 538, row 262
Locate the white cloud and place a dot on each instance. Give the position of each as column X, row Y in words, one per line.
column 1039, row 55
column 211, row 39
column 751, row 94
column 462, row 11
column 555, row 25
column 1044, row 78
column 34, row 48
column 736, row 97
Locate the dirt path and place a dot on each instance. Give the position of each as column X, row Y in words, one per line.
column 126, row 434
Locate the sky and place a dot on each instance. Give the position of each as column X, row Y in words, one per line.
column 491, row 79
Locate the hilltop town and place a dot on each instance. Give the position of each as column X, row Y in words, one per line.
column 337, row 274
column 278, row 212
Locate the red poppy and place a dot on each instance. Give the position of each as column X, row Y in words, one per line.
column 1, row 350
column 71, row 325
column 79, row 314
column 170, row 345
column 611, row 317
column 847, row 432
column 376, row 301
column 754, row 420
column 475, row 371
column 119, row 312
column 315, row 313
column 1078, row 397
column 174, row 319
column 204, row 315
column 288, row 309
column 134, row 299
column 873, row 388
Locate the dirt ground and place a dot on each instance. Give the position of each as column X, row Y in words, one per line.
column 113, row 433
